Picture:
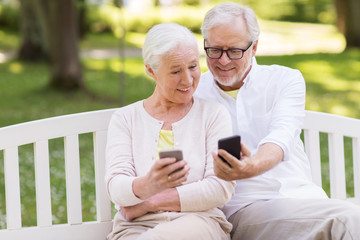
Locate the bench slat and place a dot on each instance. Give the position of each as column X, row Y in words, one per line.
column 56, row 127
column 312, row 149
column 337, row 166
column 42, row 181
column 356, row 166
column 12, row 188
column 84, row 231
column 73, row 184
column 103, row 204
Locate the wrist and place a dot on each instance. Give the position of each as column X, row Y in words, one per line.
column 140, row 188
column 151, row 205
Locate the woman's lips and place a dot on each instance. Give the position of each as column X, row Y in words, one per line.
column 184, row 89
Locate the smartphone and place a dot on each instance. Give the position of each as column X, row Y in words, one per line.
column 231, row 145
column 175, row 153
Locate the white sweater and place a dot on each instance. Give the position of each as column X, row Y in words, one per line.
column 131, row 147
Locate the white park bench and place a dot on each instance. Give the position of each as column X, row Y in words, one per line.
column 69, row 127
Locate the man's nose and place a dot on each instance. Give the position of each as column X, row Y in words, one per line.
column 224, row 59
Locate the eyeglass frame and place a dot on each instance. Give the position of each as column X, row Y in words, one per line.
column 227, row 54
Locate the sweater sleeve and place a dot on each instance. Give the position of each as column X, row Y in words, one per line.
column 210, row 191
column 120, row 168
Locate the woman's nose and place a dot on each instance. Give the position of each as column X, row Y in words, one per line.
column 188, row 78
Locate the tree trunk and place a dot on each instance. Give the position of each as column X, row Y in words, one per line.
column 58, row 19
column 31, row 47
column 348, row 21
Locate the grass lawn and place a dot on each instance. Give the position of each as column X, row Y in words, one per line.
column 332, row 81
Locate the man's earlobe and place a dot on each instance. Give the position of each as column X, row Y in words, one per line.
column 254, row 47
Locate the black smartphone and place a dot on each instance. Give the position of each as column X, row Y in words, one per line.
column 175, row 153
column 231, row 145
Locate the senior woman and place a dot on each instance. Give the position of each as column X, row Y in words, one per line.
column 164, row 198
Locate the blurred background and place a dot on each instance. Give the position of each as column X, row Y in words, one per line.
column 67, row 56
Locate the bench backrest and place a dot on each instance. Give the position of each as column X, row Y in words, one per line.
column 39, row 133
column 70, row 126
column 336, row 128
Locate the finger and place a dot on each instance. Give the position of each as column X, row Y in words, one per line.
column 221, row 168
column 245, row 151
column 163, row 162
column 230, row 159
column 176, row 166
column 180, row 173
column 181, row 180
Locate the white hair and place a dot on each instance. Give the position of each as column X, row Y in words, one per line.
column 225, row 12
column 163, row 38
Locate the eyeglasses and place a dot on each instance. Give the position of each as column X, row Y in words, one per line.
column 232, row 53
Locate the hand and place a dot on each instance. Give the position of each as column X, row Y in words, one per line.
column 167, row 200
column 233, row 169
column 268, row 155
column 132, row 212
column 164, row 174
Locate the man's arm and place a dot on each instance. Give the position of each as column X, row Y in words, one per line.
column 268, row 156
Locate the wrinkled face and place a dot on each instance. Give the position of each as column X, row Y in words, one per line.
column 227, row 72
column 178, row 75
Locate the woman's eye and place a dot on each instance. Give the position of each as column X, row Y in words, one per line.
column 193, row 66
column 175, row 72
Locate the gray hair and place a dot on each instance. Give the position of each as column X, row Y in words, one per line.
column 224, row 12
column 163, row 38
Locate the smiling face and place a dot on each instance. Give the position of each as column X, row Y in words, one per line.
column 230, row 73
column 178, row 75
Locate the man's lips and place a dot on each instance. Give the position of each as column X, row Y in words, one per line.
column 225, row 69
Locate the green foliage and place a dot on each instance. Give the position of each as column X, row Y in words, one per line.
column 9, row 16
column 110, row 18
column 317, row 11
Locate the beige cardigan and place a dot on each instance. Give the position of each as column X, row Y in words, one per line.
column 131, row 147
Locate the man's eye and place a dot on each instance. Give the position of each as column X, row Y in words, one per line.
column 236, row 52
column 215, row 50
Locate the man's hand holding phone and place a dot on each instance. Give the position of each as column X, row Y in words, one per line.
column 228, row 162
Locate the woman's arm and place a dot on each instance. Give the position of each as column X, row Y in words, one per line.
column 167, row 200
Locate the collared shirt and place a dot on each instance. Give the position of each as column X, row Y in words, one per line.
column 270, row 107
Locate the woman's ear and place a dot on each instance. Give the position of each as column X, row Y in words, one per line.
column 150, row 71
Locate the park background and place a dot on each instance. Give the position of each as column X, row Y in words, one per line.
column 68, row 56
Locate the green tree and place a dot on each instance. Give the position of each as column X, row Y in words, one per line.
column 348, row 21
column 59, row 24
column 32, row 46
column 50, row 28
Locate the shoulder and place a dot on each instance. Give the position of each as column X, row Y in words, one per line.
column 210, row 107
column 277, row 71
column 127, row 112
column 206, row 88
